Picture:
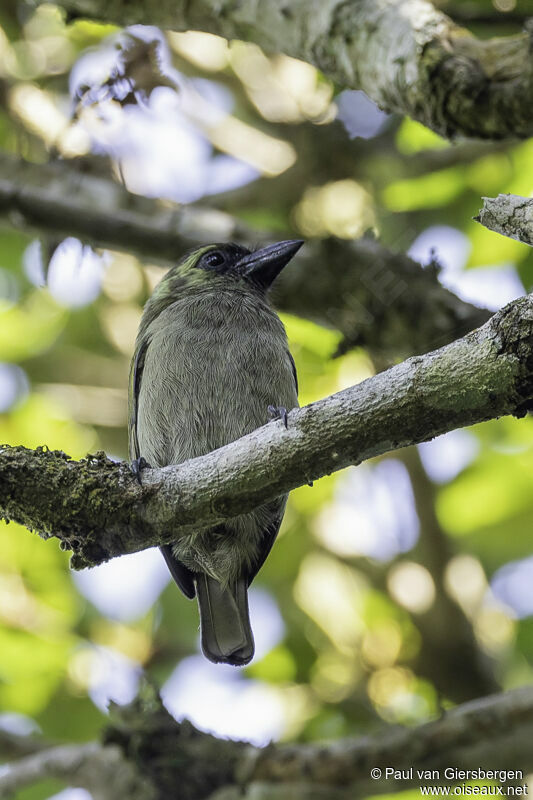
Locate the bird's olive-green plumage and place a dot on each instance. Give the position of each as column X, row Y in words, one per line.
column 210, row 358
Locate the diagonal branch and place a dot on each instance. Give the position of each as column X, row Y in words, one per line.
column 97, row 510
column 405, row 54
column 376, row 298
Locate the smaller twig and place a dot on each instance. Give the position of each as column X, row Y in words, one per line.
column 102, row 770
column 15, row 744
column 510, row 215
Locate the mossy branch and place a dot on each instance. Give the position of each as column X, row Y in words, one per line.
column 98, row 510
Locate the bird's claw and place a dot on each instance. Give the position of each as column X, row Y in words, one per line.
column 278, row 412
column 137, row 465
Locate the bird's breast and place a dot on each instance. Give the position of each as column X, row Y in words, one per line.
column 213, row 366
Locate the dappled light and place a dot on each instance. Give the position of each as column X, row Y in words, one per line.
column 386, row 575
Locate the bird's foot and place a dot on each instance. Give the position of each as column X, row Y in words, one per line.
column 137, row 465
column 278, row 412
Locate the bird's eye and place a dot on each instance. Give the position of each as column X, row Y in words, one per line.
column 214, row 259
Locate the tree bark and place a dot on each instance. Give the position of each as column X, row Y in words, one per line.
column 490, row 734
column 96, row 508
column 510, row 215
column 405, row 54
column 484, row 733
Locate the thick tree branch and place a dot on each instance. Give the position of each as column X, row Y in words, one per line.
column 405, row 54
column 510, row 215
column 378, row 299
column 493, row 733
column 144, row 740
column 96, row 508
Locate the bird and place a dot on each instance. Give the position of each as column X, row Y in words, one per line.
column 212, row 363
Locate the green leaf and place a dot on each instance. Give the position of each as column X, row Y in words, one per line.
column 32, row 666
column 412, row 137
column 429, row 191
column 278, row 666
column 30, row 328
column 42, row 421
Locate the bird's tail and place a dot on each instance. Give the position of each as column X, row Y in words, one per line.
column 224, row 620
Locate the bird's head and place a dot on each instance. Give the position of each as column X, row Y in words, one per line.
column 232, row 262
column 220, row 265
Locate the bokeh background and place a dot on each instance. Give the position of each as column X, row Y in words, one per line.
column 396, row 588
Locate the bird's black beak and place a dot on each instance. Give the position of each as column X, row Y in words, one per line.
column 264, row 266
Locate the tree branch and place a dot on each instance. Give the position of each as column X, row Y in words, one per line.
column 56, row 199
column 492, row 733
column 510, row 215
column 405, row 54
column 16, row 744
column 376, row 298
column 97, row 509
column 146, row 754
column 483, row 733
column 479, row 14
column 464, row 151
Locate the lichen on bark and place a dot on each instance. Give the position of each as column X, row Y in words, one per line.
column 406, row 55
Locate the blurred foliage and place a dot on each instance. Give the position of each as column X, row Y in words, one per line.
column 350, row 593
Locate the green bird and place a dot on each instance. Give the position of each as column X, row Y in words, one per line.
column 212, row 364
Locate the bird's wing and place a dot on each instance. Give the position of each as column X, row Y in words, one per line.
column 267, row 540
column 136, row 371
column 179, row 572
column 271, row 531
column 293, row 370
